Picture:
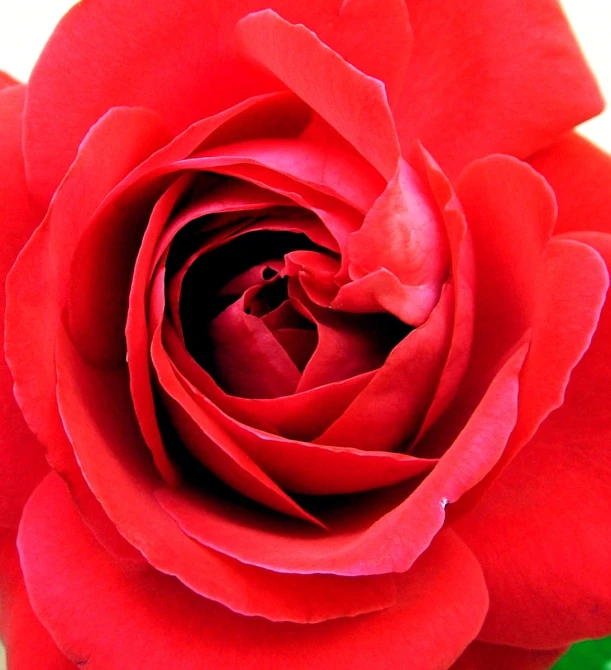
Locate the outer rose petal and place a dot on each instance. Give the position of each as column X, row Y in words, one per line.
column 301, row 61
column 36, row 283
column 547, row 561
column 27, row 642
column 99, row 419
column 151, row 620
column 482, row 656
column 572, row 285
column 22, row 460
column 158, row 56
column 491, row 76
column 580, row 174
column 509, row 235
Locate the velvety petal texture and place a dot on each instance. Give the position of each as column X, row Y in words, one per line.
column 129, row 614
column 21, row 456
column 27, row 643
column 301, row 372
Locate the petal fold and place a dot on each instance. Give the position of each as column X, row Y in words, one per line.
column 147, row 616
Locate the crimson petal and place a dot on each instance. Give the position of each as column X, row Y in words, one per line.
column 146, row 615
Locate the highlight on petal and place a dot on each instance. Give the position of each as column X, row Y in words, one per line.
column 26, row 641
column 119, row 462
column 301, row 61
column 22, row 460
column 146, row 614
column 387, row 531
column 549, row 507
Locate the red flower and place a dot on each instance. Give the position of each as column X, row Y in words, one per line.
column 319, row 364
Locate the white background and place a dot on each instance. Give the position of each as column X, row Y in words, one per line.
column 25, row 25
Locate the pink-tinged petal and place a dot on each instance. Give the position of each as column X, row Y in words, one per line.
column 104, row 433
column 321, row 166
column 580, row 174
column 509, row 235
column 492, row 77
column 159, row 59
column 548, row 552
column 300, row 60
column 403, row 233
column 381, row 291
column 22, row 461
column 463, row 281
column 26, row 642
column 282, row 415
column 482, row 656
column 367, row 538
column 390, row 408
column 571, row 288
column 148, row 616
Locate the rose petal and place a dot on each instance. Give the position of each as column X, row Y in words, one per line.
column 301, row 61
column 509, row 235
column 505, row 92
column 367, row 538
column 146, row 615
column 7, row 80
column 482, row 656
column 281, row 415
column 115, row 461
column 463, row 281
column 321, row 166
column 572, row 285
column 248, row 359
column 390, row 408
column 157, row 58
column 549, row 553
column 306, row 467
column 580, row 174
column 22, row 461
column 26, row 642
column 37, row 285
column 403, row 234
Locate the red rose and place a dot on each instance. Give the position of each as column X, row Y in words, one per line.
column 320, row 373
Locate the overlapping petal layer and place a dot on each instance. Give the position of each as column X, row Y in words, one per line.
column 21, row 457
column 274, row 358
column 444, row 593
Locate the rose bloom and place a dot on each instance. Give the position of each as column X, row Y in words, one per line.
column 307, row 348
